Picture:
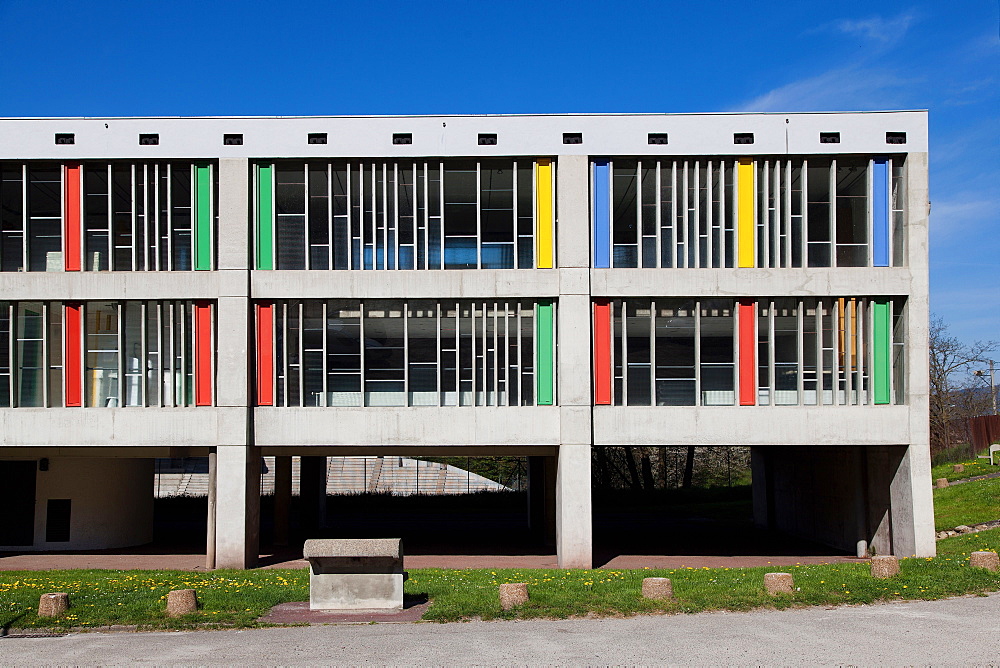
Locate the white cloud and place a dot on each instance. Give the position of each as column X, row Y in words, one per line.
column 852, row 88
column 877, row 29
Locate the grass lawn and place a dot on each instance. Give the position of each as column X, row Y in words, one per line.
column 973, row 467
column 968, row 503
column 237, row 598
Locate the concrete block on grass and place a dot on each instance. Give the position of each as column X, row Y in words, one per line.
column 181, row 602
column 513, row 594
column 53, row 605
column 885, row 566
column 941, row 483
column 988, row 560
column 779, row 583
column 657, row 589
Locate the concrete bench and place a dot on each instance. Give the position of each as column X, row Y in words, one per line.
column 355, row 573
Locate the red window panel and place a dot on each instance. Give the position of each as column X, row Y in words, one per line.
column 602, row 352
column 71, row 235
column 747, row 352
column 73, row 358
column 265, row 354
column 203, row 354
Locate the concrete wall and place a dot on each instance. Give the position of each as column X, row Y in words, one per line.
column 112, row 502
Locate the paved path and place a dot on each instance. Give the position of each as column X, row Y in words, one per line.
column 953, row 632
column 196, row 562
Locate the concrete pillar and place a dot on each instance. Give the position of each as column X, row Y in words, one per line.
column 912, row 499
column 573, row 510
column 912, row 504
column 282, row 499
column 237, row 519
column 574, row 528
column 237, row 513
column 312, row 494
column 213, row 480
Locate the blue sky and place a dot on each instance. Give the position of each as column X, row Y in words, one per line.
column 225, row 58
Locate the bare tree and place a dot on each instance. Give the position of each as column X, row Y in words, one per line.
column 952, row 399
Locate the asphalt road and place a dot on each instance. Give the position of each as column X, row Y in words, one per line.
column 960, row 631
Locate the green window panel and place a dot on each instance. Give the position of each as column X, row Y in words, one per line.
column 203, row 217
column 882, row 349
column 265, row 216
column 545, row 353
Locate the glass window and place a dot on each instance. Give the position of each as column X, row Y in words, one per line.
column 675, row 352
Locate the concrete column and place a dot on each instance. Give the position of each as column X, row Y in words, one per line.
column 573, row 510
column 573, row 211
column 312, row 494
column 237, row 524
column 213, row 480
column 912, row 504
column 237, row 508
column 574, row 528
column 912, row 498
column 282, row 499
column 234, row 214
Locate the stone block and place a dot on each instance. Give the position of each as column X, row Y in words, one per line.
column 941, row 483
column 512, row 594
column 657, row 588
column 884, row 566
column 355, row 574
column 988, row 560
column 958, row 468
column 779, row 583
column 53, row 605
column 181, row 602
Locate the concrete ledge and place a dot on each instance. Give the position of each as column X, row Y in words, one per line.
column 109, row 285
column 391, row 548
column 752, row 425
column 201, row 426
column 810, row 282
column 447, row 284
column 454, row 425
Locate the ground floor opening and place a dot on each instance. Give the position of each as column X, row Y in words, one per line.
column 635, row 506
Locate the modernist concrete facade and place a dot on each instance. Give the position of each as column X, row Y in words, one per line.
column 524, row 285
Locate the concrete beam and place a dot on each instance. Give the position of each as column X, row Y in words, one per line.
column 751, row 425
column 494, row 426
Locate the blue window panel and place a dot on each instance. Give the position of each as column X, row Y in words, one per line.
column 602, row 215
column 460, row 253
column 880, row 212
column 498, row 256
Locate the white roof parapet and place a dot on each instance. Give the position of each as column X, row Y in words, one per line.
column 446, row 136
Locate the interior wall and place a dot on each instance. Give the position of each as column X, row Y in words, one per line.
column 111, row 502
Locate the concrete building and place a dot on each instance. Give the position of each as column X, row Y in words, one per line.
column 527, row 285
